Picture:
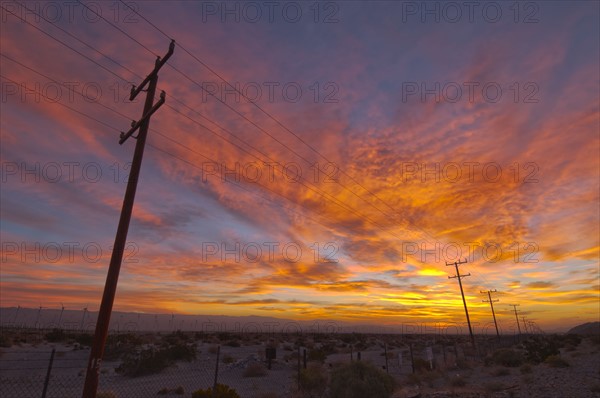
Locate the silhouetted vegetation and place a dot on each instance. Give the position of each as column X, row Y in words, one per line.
column 538, row 348
column 313, row 381
column 360, row 380
column 153, row 360
column 222, row 391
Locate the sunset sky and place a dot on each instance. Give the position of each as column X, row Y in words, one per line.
column 374, row 142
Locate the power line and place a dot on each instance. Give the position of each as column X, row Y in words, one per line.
column 316, row 190
column 116, row 27
column 271, row 117
column 81, row 41
column 166, row 137
column 68, row 46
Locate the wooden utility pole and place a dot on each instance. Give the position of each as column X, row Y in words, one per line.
column 489, row 293
column 93, row 369
column 516, row 316
column 459, row 277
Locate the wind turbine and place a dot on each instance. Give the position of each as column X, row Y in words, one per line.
column 37, row 319
column 62, row 309
column 85, row 309
column 16, row 315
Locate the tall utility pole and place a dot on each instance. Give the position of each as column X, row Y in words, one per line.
column 516, row 316
column 93, row 369
column 459, row 277
column 489, row 293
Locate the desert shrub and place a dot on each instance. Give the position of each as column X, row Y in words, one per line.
column 233, row 343
column 556, row 361
column 179, row 390
column 595, row 388
column 539, row 348
column 117, row 346
column 222, row 391
column 180, row 352
column 163, row 391
column 255, row 370
column 360, row 380
column 213, row 349
column 507, row 357
column 145, row 362
column 526, row 369
column 313, row 380
column 175, row 338
column 317, row 355
column 152, row 361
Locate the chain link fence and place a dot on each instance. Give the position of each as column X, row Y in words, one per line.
column 61, row 374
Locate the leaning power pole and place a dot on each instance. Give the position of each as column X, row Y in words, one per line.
column 459, row 277
column 489, row 293
column 93, row 369
column 516, row 316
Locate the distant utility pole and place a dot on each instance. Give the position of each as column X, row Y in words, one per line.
column 459, row 277
column 93, row 369
column 489, row 293
column 525, row 325
column 516, row 316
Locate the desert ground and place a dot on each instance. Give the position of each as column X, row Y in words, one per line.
column 141, row 365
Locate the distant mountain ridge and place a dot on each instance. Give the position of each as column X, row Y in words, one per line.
column 586, row 328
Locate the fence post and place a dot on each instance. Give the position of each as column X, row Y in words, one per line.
column 48, row 373
column 216, row 370
column 387, row 368
column 298, row 368
column 304, row 358
column 412, row 358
